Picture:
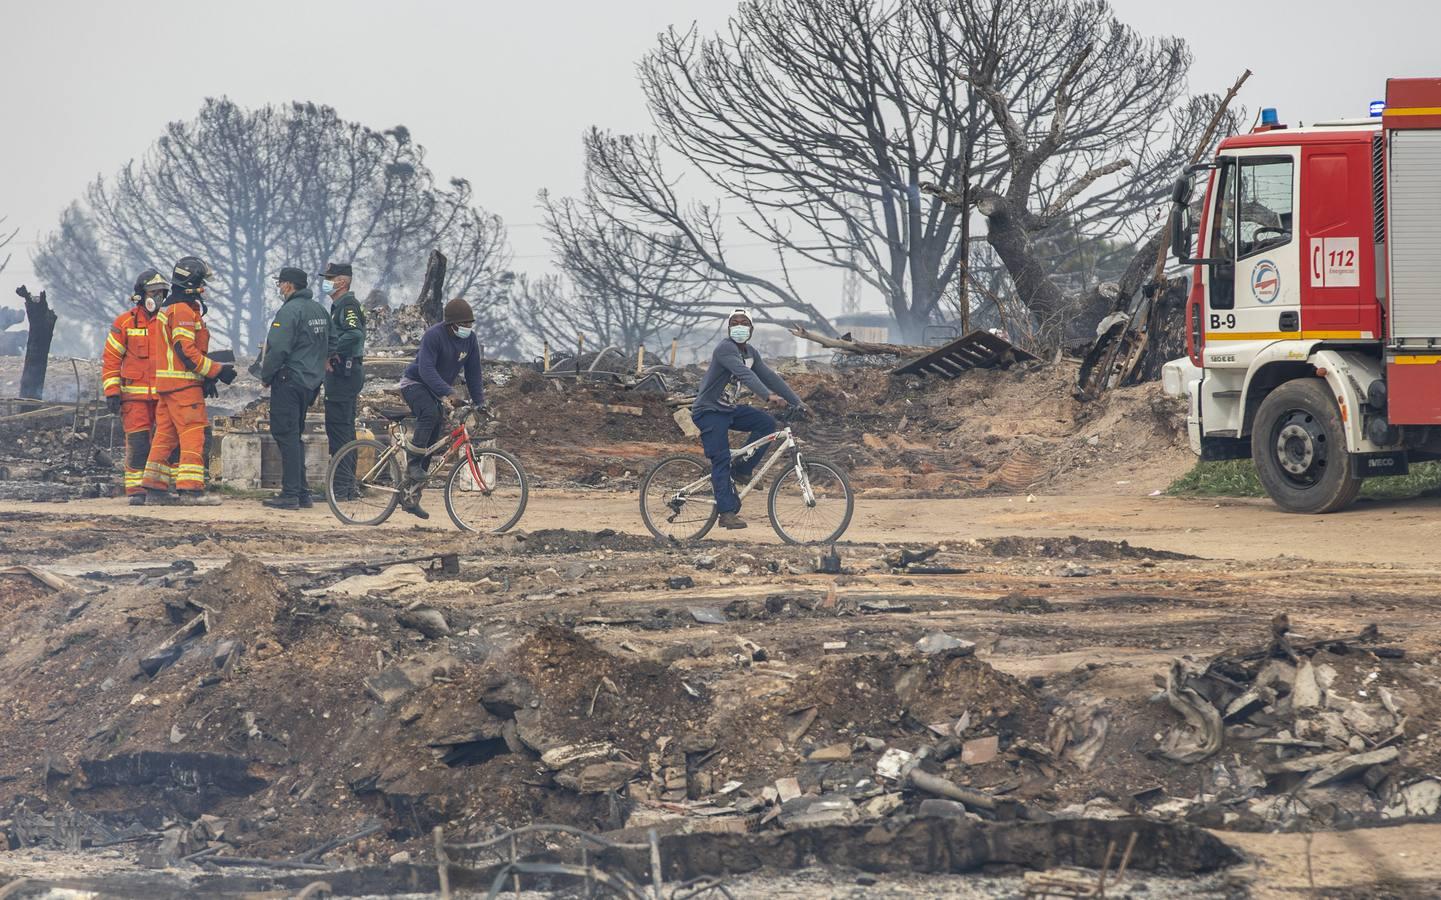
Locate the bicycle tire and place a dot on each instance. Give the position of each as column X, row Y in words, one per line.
column 391, row 472
column 460, row 468
column 699, row 467
column 788, row 476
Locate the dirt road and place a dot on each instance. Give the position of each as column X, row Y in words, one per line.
column 1403, row 533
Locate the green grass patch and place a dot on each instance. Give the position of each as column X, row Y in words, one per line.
column 1230, row 478
column 1237, row 478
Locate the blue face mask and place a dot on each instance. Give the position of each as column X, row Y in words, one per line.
column 463, row 332
column 740, row 333
column 327, row 286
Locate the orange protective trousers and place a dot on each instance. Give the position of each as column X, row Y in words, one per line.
column 137, row 417
column 180, row 422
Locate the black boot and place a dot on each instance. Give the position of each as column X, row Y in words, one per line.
column 281, row 501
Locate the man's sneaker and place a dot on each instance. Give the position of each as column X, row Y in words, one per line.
column 137, row 499
column 415, row 509
column 281, row 501
column 306, row 500
column 197, row 498
column 731, row 520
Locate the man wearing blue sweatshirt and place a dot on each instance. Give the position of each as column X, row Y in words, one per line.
column 445, row 350
column 715, row 413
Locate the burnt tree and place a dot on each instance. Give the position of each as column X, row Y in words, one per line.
column 37, row 347
column 432, row 289
column 251, row 189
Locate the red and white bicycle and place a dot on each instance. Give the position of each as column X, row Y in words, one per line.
column 485, row 491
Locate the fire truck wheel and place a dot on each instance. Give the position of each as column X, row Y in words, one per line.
column 1298, row 444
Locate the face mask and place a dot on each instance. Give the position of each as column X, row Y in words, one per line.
column 463, row 332
column 327, row 286
column 151, row 304
column 740, row 333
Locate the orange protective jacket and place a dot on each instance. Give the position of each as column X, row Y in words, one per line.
column 179, row 343
column 128, row 367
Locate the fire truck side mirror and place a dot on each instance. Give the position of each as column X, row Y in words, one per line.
column 1181, row 219
column 1181, row 233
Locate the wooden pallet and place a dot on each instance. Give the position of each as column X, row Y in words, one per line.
column 977, row 350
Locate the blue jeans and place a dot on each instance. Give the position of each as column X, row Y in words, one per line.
column 715, row 428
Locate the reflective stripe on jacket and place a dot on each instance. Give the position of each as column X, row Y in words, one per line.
column 180, row 340
column 128, row 366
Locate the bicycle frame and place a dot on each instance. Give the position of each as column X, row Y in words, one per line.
column 457, row 439
column 788, row 442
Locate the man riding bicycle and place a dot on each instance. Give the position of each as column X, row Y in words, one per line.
column 734, row 363
column 444, row 350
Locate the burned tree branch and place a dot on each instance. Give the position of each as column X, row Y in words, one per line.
column 859, row 348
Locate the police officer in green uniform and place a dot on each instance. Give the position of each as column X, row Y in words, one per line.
column 292, row 365
column 343, row 377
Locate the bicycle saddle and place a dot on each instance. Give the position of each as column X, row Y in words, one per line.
column 394, row 414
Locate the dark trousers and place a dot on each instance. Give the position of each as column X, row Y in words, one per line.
column 715, row 428
column 340, row 430
column 288, row 402
column 429, row 418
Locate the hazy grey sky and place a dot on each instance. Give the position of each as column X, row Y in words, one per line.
column 499, row 92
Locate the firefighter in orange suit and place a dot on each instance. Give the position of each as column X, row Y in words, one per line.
column 128, row 376
column 184, row 376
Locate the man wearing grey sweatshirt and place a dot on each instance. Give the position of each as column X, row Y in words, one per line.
column 715, row 413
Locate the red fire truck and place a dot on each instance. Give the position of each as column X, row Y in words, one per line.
column 1314, row 316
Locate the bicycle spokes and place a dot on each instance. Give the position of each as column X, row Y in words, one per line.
column 810, row 502
column 486, row 491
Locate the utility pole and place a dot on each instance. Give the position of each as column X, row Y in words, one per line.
column 851, row 289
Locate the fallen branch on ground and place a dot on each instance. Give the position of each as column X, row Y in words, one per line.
column 860, row 348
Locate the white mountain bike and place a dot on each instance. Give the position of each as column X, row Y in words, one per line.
column 810, row 502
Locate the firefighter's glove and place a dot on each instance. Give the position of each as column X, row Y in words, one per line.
column 210, row 390
column 227, row 374
column 113, row 404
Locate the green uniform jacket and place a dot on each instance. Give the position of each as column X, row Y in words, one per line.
column 347, row 329
column 299, row 340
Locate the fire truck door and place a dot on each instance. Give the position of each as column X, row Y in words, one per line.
column 1254, row 294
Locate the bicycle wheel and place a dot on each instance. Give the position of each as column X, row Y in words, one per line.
column 362, row 484
column 494, row 502
column 820, row 522
column 676, row 500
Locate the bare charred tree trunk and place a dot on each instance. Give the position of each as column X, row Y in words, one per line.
column 37, row 348
column 432, row 289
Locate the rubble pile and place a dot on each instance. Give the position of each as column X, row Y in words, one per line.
column 1303, row 733
column 756, row 696
column 56, row 453
column 394, row 327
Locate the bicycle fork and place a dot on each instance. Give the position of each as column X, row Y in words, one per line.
column 805, row 482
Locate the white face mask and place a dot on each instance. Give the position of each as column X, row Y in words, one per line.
column 463, row 332
column 327, row 286
column 151, row 304
column 740, row 333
